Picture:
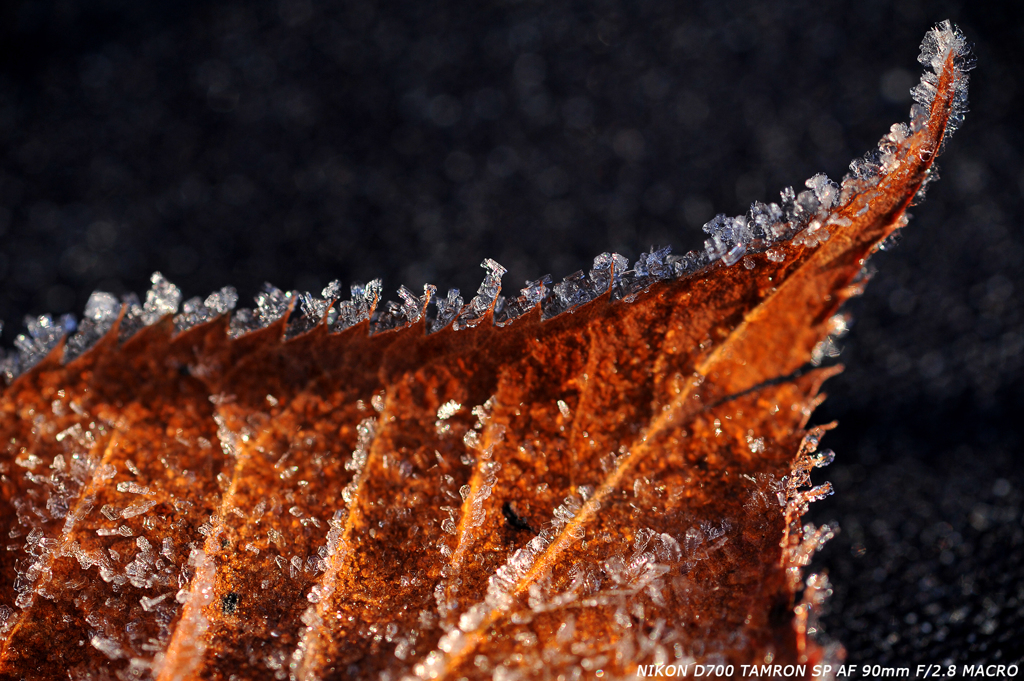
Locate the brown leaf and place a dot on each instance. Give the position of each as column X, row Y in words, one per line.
column 620, row 484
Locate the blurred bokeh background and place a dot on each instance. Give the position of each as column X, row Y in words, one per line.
column 299, row 141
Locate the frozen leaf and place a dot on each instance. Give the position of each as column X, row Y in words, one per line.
column 599, row 473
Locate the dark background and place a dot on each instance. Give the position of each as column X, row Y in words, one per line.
column 302, row 141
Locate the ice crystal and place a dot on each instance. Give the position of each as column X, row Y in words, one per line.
column 161, row 300
column 397, row 315
column 567, row 295
column 272, row 304
column 446, row 310
column 333, row 291
column 943, row 41
column 649, row 269
column 607, row 272
column 101, row 311
column 485, row 296
column 195, row 311
column 360, row 307
column 242, row 322
column 312, row 311
column 131, row 320
column 530, row 296
column 448, row 409
column 606, row 276
column 44, row 333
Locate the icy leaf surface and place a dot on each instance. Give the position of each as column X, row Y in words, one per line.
column 598, row 473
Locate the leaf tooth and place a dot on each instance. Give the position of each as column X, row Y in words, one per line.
column 486, row 298
column 411, row 310
column 447, row 309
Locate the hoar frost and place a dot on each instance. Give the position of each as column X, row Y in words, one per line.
column 800, row 216
column 635, row 568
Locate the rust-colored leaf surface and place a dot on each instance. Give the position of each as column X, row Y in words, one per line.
column 600, row 474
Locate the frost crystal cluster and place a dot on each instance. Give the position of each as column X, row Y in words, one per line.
column 806, row 216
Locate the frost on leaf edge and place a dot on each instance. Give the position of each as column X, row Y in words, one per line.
column 802, row 218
